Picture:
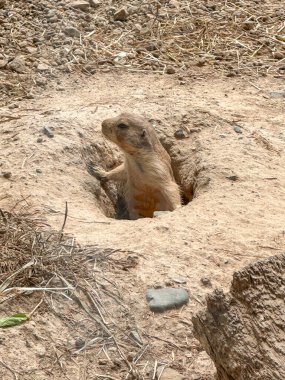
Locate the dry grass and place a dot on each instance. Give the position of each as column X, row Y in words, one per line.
column 237, row 37
column 183, row 33
column 34, row 259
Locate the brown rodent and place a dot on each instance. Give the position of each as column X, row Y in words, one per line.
column 149, row 183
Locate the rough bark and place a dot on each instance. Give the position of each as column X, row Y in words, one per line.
column 244, row 331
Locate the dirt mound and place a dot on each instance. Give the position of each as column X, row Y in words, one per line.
column 226, row 140
column 242, row 331
column 39, row 40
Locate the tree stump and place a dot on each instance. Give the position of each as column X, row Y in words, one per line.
column 244, row 331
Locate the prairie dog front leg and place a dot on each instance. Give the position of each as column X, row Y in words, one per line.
column 117, row 174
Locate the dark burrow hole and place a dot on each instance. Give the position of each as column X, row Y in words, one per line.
column 185, row 166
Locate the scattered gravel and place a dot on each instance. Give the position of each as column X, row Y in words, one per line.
column 164, row 37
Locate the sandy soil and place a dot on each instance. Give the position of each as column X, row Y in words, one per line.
column 236, row 216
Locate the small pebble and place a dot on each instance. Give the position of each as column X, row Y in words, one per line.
column 11, row 106
column 206, row 281
column 28, row 344
column 41, row 81
column 278, row 55
column 121, row 15
column 79, row 343
column 237, row 129
column 170, row 70
column 7, row 175
column 248, row 25
column 70, row 31
column 82, row 5
column 38, row 171
column 39, row 140
column 18, row 65
column 41, row 351
column 179, row 280
column 47, row 131
column 180, row 134
column 232, row 177
column 43, row 67
column 278, row 94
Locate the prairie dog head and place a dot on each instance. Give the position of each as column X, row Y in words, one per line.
column 131, row 133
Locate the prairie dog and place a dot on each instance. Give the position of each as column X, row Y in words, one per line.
column 149, row 183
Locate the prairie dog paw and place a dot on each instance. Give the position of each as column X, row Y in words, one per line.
column 97, row 172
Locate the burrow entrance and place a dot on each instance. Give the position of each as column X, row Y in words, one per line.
column 186, row 164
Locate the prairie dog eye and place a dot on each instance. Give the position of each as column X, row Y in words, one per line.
column 122, row 126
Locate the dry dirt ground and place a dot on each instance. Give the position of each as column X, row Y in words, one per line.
column 232, row 157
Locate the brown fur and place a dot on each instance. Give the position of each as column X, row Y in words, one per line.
column 149, row 181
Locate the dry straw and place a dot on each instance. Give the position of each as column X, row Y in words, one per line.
column 36, row 260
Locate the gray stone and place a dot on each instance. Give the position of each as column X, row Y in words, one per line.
column 278, row 94
column 166, row 298
column 179, row 279
column 53, row 19
column 94, row 3
column 70, row 31
column 180, row 134
column 237, row 129
column 18, row 65
column 82, row 5
column 48, row 132
column 41, row 81
column 121, row 15
column 79, row 343
column 43, row 67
